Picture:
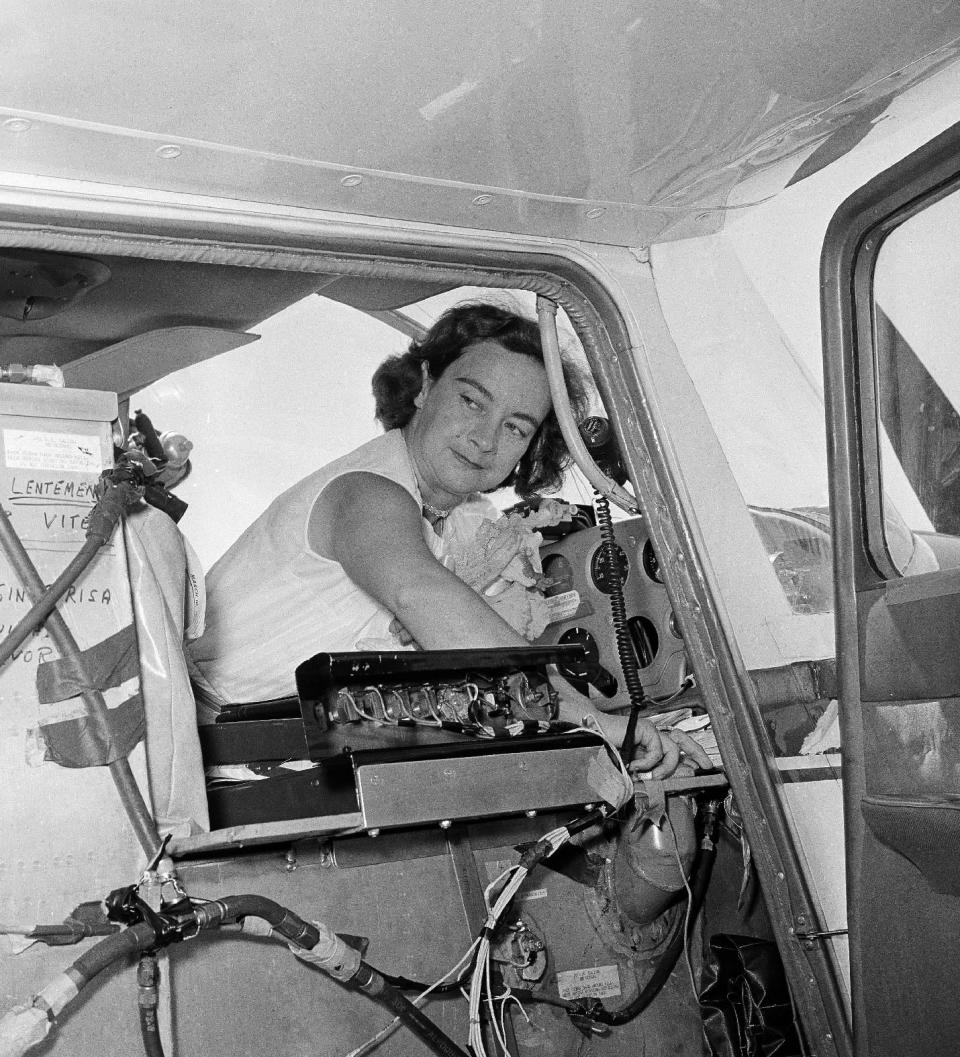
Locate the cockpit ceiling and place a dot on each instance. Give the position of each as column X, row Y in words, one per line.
column 60, row 307
column 615, row 121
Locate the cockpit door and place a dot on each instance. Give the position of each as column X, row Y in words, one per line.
column 891, row 315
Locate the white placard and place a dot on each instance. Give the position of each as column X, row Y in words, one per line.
column 600, row 981
column 563, row 606
column 29, row 449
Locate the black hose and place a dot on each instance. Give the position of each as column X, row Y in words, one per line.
column 137, row 938
column 142, row 939
column 281, row 920
column 148, row 984
column 366, row 979
column 372, row 983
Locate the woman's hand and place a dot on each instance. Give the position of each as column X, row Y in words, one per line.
column 662, row 752
column 657, row 753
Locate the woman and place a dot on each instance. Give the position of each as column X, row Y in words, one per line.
column 351, row 557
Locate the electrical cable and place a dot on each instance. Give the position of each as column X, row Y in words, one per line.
column 618, row 611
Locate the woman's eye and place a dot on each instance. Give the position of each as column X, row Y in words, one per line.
column 517, row 431
column 469, row 401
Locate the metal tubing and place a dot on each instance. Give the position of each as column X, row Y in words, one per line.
column 120, row 771
column 547, row 317
column 44, row 606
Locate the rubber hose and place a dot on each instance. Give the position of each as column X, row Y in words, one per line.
column 148, row 982
column 367, row 979
column 281, row 920
column 373, row 984
column 137, row 938
column 149, row 1033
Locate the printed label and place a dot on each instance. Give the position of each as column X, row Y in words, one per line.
column 602, row 981
column 28, row 449
column 563, row 606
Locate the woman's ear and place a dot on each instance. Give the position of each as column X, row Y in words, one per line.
column 425, row 382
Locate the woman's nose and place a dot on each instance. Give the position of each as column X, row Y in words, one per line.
column 484, row 436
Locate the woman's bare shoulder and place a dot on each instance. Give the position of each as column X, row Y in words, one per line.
column 359, row 502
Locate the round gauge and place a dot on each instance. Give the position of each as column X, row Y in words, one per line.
column 601, row 572
column 650, row 564
column 578, row 669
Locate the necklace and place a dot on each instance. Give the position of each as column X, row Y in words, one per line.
column 435, row 517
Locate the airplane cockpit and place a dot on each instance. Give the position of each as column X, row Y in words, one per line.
column 736, row 225
column 212, row 388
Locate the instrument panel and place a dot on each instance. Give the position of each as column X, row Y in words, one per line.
column 579, row 598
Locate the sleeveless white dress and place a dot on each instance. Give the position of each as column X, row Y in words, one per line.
column 273, row 602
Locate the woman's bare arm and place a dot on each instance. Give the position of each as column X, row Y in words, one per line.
column 373, row 527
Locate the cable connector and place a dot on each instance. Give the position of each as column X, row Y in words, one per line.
column 331, row 954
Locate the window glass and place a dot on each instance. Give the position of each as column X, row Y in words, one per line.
column 265, row 415
column 917, row 332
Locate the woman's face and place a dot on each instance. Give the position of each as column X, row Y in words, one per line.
column 475, row 421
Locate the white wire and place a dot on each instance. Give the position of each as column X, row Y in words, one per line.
column 614, row 751
column 688, row 911
column 498, row 1034
column 375, row 1040
column 510, row 996
column 514, row 876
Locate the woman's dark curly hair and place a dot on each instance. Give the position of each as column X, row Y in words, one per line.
column 398, row 380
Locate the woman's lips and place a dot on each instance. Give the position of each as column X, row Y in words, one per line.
column 469, row 462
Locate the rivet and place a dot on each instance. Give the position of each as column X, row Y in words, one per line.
column 531, row 813
column 482, row 200
column 353, row 180
column 780, row 876
column 17, row 124
column 445, row 823
column 373, row 832
column 168, row 151
column 596, row 211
